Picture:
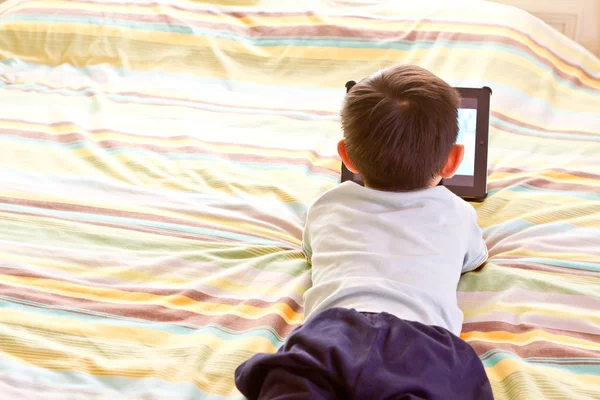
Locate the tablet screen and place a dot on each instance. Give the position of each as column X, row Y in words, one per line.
column 467, row 136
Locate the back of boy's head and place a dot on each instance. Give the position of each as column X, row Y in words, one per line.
column 400, row 125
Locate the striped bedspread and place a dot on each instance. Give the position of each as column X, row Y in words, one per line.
column 157, row 158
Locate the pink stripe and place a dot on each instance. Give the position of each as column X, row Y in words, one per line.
column 565, row 324
column 174, row 138
column 195, row 105
column 32, row 388
column 474, row 300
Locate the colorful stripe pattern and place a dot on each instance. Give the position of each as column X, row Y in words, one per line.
column 157, row 158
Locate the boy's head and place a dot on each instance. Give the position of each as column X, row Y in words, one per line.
column 400, row 127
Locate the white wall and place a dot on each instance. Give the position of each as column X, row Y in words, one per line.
column 577, row 19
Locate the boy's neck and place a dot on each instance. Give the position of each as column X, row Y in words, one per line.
column 434, row 182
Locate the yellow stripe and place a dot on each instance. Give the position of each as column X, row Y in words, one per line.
column 567, row 256
column 526, row 338
column 504, row 368
column 536, row 208
column 150, row 239
column 193, row 98
column 139, row 337
column 588, row 284
column 555, row 176
column 294, row 285
column 41, row 351
column 259, row 250
column 207, row 221
column 176, row 302
column 515, row 149
column 228, row 179
column 530, row 309
column 106, row 135
column 226, row 125
column 537, row 123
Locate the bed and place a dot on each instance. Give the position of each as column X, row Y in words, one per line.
column 157, row 159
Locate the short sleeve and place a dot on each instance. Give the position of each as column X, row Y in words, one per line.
column 477, row 252
column 306, row 247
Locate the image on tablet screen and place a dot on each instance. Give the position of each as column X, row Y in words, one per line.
column 467, row 127
column 467, row 136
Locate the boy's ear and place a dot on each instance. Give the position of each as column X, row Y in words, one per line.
column 454, row 159
column 341, row 147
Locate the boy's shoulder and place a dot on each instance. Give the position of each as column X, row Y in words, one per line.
column 351, row 195
column 342, row 197
column 343, row 191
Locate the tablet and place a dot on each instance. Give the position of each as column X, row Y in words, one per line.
column 470, row 180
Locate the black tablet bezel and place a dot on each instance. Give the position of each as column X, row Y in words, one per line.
column 477, row 192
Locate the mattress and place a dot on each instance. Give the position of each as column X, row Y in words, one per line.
column 157, row 159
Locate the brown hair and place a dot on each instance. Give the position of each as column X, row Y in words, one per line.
column 400, row 125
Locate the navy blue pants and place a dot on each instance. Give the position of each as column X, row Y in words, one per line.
column 344, row 354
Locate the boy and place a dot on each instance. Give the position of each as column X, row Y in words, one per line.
column 382, row 319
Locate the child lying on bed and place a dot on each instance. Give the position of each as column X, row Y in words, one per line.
column 382, row 319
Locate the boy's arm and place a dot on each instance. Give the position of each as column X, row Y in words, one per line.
column 477, row 252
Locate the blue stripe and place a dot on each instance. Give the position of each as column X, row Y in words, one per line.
column 526, row 188
column 255, row 166
column 550, row 134
column 95, row 317
column 566, row 359
column 129, row 222
column 175, row 78
column 106, row 387
column 508, row 227
column 582, row 369
column 104, row 184
column 588, row 266
column 176, row 102
column 554, row 228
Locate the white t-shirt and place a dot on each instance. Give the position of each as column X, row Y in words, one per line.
column 400, row 253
